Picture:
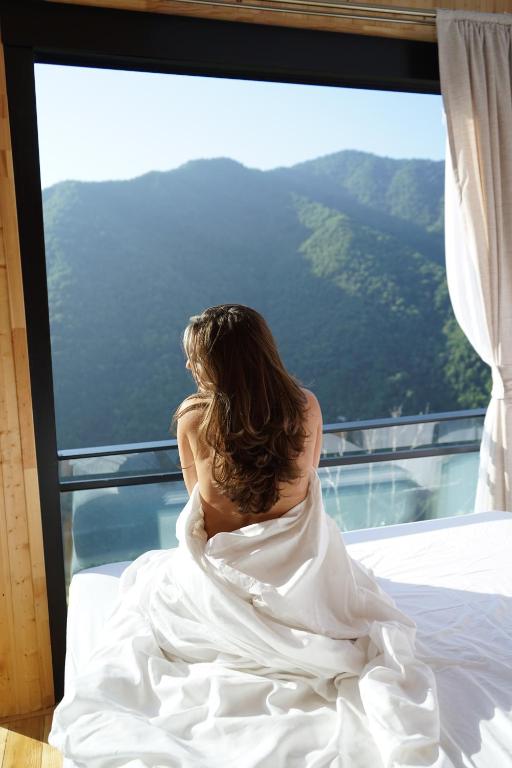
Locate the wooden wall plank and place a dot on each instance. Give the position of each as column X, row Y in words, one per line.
column 8, row 217
column 51, row 757
column 3, row 741
column 26, row 678
column 27, row 687
column 47, row 697
column 8, row 660
column 14, row 528
column 26, row 752
column 22, row 752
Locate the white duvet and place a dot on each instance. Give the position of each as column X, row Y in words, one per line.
column 266, row 647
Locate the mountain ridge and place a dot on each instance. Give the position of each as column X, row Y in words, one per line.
column 345, row 261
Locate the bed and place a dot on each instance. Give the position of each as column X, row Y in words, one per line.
column 452, row 576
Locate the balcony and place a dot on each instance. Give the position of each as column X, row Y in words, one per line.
column 119, row 501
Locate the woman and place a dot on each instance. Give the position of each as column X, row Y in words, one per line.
column 257, row 642
column 250, row 434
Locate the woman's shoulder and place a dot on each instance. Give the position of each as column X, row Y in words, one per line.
column 312, row 401
column 189, row 411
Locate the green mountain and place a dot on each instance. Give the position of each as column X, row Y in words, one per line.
column 343, row 255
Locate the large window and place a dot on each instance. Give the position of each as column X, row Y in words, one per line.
column 321, row 207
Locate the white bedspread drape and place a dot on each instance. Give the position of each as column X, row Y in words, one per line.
column 475, row 59
column 266, row 647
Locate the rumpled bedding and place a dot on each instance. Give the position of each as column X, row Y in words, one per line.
column 265, row 647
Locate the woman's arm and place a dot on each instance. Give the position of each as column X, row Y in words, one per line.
column 187, row 459
column 319, row 435
column 315, row 424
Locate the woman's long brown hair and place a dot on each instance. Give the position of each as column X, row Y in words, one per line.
column 253, row 409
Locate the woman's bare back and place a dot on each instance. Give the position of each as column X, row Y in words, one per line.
column 221, row 514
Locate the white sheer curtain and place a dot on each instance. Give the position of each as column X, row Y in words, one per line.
column 475, row 59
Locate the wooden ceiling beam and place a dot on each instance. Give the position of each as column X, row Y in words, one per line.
column 414, row 20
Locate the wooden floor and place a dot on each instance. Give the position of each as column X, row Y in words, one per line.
column 24, row 742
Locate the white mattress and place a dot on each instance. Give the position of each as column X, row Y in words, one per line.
column 452, row 576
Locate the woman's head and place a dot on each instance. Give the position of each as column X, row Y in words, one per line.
column 253, row 410
column 230, row 349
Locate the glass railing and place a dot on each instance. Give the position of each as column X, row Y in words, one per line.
column 120, row 501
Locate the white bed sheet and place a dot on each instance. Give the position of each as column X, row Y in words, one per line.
column 452, row 576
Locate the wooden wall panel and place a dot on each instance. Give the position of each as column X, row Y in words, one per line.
column 26, row 677
column 321, row 14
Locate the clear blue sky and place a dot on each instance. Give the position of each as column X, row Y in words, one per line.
column 104, row 124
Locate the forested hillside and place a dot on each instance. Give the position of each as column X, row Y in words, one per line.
column 343, row 255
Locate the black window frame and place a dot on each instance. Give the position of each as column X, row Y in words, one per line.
column 43, row 32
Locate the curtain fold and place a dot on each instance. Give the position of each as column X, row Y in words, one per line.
column 475, row 61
